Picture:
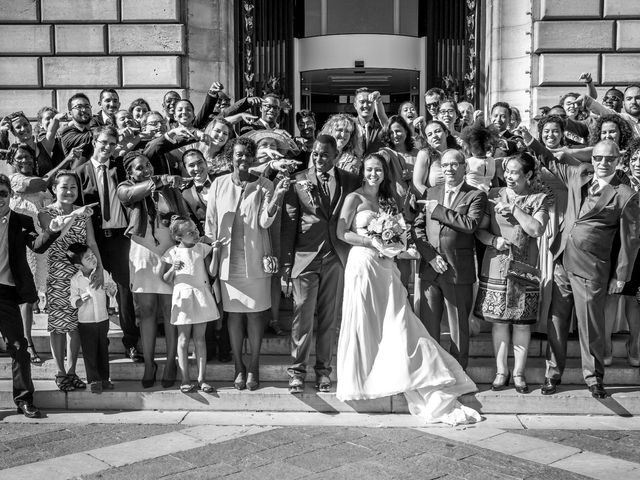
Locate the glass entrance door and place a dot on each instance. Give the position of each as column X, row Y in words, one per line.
column 330, row 91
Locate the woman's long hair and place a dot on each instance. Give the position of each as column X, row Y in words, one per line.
column 353, row 145
column 409, row 142
column 387, row 197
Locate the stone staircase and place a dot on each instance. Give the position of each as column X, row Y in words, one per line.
column 622, row 381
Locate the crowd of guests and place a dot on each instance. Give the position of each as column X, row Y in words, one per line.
column 202, row 221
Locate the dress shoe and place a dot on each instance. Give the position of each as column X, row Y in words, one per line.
column 252, row 381
column 501, row 381
column 148, row 383
column 323, row 384
column 29, row 410
column 520, row 384
column 134, row 355
column 550, row 386
column 240, row 383
column 95, row 387
column 597, row 390
column 296, row 384
column 107, row 385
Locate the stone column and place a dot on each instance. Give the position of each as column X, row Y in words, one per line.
column 507, row 66
column 210, row 46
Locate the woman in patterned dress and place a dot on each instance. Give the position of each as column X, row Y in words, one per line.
column 63, row 317
column 516, row 216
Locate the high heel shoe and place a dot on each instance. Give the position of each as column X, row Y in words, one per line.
column 521, row 386
column 495, row 386
column 240, row 382
column 252, row 381
column 150, row 382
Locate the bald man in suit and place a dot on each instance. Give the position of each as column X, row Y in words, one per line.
column 600, row 209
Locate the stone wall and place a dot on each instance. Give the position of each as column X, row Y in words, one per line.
column 574, row 36
column 50, row 49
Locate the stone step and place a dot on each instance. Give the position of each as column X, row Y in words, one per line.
column 273, row 368
column 480, row 345
column 128, row 395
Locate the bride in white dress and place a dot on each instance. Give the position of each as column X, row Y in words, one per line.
column 383, row 348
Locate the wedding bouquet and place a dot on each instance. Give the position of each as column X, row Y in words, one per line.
column 391, row 231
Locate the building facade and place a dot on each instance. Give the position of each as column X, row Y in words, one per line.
column 314, row 52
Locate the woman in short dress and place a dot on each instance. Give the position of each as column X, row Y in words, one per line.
column 516, row 216
column 240, row 209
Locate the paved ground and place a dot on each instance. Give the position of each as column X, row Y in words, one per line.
column 172, row 445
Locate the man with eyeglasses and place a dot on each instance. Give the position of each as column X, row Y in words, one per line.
column 99, row 179
column 600, row 210
column 269, row 115
column 77, row 132
column 444, row 234
column 630, row 111
column 432, row 99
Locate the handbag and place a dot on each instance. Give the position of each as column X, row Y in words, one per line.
column 270, row 262
column 523, row 272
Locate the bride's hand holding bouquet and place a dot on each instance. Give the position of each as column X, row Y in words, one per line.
column 388, row 234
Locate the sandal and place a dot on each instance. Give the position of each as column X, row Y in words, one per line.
column 63, row 382
column 187, row 388
column 35, row 358
column 76, row 382
column 206, row 388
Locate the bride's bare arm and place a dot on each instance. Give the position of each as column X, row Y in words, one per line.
column 347, row 214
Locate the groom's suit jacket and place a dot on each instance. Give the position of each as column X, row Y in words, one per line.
column 307, row 226
column 22, row 234
column 449, row 232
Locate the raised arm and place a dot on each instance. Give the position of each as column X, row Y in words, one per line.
column 585, row 77
column 208, row 106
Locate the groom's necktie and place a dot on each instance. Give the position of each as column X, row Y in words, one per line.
column 325, row 191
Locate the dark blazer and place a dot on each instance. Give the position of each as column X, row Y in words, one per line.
column 98, row 121
column 89, row 186
column 196, row 205
column 158, row 151
column 22, row 234
column 306, row 223
column 449, row 232
column 586, row 241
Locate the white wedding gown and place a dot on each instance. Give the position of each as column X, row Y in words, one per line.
column 384, row 348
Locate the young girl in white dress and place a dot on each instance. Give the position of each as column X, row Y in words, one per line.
column 188, row 266
column 384, row 349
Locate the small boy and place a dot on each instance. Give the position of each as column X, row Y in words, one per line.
column 93, row 318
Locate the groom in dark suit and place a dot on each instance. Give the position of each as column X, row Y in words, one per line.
column 16, row 286
column 314, row 259
column 444, row 236
column 599, row 209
